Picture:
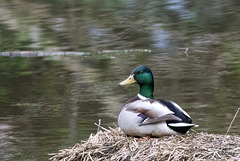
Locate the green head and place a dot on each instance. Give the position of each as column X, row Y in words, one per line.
column 143, row 77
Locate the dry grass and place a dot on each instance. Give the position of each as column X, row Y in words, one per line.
column 113, row 144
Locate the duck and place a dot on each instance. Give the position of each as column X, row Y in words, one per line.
column 143, row 115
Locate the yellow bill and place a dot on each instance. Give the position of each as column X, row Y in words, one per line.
column 129, row 80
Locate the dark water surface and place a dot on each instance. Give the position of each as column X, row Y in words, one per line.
column 52, row 102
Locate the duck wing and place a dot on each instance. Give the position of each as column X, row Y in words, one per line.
column 177, row 110
column 152, row 111
column 149, row 108
column 160, row 119
column 180, row 126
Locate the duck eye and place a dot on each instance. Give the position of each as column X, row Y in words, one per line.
column 140, row 72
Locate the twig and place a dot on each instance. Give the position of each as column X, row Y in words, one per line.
column 90, row 157
column 186, row 51
column 99, row 125
column 232, row 121
column 171, row 154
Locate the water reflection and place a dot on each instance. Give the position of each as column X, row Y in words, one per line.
column 52, row 102
column 94, row 26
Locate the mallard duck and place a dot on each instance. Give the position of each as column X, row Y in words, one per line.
column 143, row 116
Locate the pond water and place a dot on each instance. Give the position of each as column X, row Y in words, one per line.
column 49, row 103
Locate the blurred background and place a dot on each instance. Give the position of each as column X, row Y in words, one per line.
column 51, row 102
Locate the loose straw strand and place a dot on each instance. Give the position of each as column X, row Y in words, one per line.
column 232, row 121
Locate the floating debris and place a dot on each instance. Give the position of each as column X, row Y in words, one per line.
column 39, row 53
column 113, row 144
column 54, row 53
column 125, row 51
